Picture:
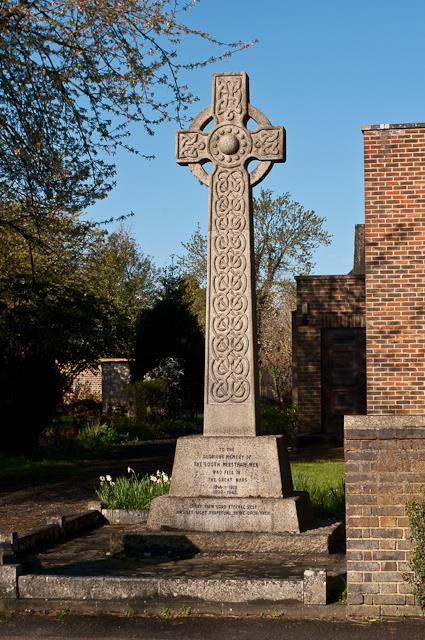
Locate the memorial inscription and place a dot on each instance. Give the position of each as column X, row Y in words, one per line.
column 225, row 471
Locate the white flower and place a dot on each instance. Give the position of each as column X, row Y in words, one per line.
column 108, row 478
column 153, row 478
column 130, row 470
column 102, row 478
column 112, row 483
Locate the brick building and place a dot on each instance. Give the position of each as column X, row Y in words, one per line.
column 329, row 347
column 385, row 450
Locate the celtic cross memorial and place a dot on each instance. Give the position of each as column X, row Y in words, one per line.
column 229, row 479
column 231, row 378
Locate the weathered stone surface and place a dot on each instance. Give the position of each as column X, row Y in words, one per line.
column 231, row 514
column 218, row 590
column 232, row 467
column 315, row 586
column 9, row 580
column 86, row 587
column 115, row 588
column 36, row 537
column 319, row 540
column 310, row 590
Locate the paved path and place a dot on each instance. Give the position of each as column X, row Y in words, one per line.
column 19, row 627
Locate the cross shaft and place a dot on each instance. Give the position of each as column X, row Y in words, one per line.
column 231, row 369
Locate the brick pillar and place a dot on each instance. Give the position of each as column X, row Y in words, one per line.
column 394, row 157
column 385, row 462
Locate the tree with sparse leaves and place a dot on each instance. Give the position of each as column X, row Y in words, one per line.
column 285, row 238
column 74, row 76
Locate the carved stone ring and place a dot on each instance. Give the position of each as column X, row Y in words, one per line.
column 230, row 144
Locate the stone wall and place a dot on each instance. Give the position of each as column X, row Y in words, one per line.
column 394, row 158
column 322, row 301
column 105, row 384
column 385, row 467
column 115, row 378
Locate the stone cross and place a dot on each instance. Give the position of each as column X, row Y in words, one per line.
column 231, row 370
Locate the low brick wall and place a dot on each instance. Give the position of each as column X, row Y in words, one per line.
column 385, row 467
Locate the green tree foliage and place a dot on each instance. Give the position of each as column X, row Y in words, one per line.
column 285, row 238
column 416, row 512
column 127, row 278
column 194, row 262
column 74, row 78
column 54, row 322
column 169, row 329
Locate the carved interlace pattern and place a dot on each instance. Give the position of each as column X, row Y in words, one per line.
column 191, row 145
column 267, row 142
column 229, row 98
column 229, row 342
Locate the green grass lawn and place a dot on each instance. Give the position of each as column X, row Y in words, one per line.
column 324, row 481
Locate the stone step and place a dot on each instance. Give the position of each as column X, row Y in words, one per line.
column 309, row 589
column 136, row 540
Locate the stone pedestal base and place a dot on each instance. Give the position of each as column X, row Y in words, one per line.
column 272, row 515
column 231, row 484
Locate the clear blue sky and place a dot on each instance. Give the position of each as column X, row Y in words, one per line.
column 322, row 69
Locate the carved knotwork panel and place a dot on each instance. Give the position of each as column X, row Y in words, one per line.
column 191, row 146
column 230, row 100
column 267, row 144
column 229, row 365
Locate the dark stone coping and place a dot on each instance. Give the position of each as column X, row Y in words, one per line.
column 384, row 127
column 58, row 528
column 384, row 427
column 334, row 276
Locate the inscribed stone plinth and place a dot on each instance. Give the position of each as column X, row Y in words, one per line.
column 229, row 479
column 231, row 484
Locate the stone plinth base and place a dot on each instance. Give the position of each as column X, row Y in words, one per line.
column 231, row 484
column 291, row 514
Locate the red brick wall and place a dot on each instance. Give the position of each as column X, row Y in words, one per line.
column 385, row 467
column 395, row 268
column 333, row 301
